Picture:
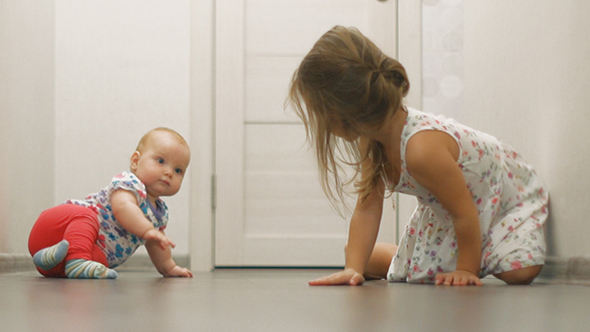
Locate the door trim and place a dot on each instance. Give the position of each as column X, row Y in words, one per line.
column 202, row 110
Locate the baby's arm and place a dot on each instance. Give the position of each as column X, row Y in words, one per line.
column 162, row 260
column 126, row 210
column 432, row 159
column 129, row 215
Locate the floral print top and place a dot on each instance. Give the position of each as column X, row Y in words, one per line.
column 114, row 240
column 511, row 203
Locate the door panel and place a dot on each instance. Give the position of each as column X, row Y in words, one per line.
column 285, row 209
column 270, row 208
column 267, row 84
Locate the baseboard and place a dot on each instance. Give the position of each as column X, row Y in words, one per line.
column 12, row 263
column 16, row 263
column 572, row 270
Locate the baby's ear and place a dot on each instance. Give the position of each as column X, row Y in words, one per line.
column 135, row 160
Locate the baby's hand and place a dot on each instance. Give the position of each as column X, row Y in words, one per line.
column 156, row 235
column 457, row 278
column 178, row 271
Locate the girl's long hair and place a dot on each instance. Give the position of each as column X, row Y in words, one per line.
column 346, row 82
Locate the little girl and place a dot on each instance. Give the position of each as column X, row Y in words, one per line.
column 88, row 238
column 481, row 207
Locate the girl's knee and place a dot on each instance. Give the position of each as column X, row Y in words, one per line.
column 522, row 276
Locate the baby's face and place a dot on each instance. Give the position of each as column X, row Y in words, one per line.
column 161, row 164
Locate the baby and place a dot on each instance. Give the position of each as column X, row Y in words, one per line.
column 88, row 238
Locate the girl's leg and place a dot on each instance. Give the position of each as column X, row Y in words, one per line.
column 378, row 264
column 522, row 276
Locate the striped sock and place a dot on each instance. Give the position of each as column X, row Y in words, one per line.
column 85, row 269
column 49, row 257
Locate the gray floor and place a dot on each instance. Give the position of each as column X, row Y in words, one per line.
column 280, row 300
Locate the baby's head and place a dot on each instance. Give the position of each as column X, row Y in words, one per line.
column 160, row 161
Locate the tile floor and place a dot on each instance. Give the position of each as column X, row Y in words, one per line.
column 280, row 300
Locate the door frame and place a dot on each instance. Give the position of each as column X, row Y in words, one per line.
column 202, row 110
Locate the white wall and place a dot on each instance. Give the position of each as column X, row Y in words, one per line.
column 72, row 69
column 527, row 81
column 82, row 81
column 442, row 54
column 27, row 134
column 121, row 69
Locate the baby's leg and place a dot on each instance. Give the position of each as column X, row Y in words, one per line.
column 46, row 241
column 64, row 225
column 48, row 258
column 86, row 269
column 84, row 260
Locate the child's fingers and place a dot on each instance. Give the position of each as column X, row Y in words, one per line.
column 468, row 280
column 442, row 279
column 456, row 279
column 178, row 271
column 319, row 282
column 449, row 280
column 165, row 242
column 183, row 273
column 356, row 280
column 333, row 279
column 446, row 279
column 475, row 281
column 339, row 278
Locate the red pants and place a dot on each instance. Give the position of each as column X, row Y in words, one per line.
column 76, row 224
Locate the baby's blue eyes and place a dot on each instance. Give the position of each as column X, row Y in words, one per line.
column 176, row 170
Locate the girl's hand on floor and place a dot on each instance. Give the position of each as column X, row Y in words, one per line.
column 457, row 278
column 178, row 271
column 346, row 277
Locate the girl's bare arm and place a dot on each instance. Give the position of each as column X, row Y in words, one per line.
column 431, row 157
column 363, row 230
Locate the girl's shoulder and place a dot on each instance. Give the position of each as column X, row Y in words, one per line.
column 418, row 121
column 422, row 120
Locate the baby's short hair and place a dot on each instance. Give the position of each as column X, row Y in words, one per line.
column 145, row 139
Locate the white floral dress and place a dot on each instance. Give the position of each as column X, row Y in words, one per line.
column 510, row 200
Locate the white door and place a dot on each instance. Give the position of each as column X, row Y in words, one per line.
column 270, row 210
